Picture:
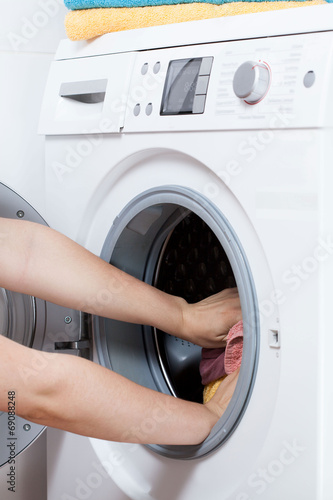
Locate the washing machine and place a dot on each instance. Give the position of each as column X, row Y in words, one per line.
column 197, row 157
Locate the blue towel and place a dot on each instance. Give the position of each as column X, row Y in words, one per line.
column 94, row 4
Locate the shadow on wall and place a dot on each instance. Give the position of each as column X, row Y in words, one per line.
column 34, row 26
column 29, row 35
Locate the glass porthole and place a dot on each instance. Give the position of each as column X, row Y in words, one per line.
column 178, row 241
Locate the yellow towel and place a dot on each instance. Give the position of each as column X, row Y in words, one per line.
column 211, row 388
column 89, row 23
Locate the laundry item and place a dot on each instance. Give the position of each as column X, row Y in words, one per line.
column 212, row 365
column 211, row 388
column 89, row 23
column 216, row 364
column 95, row 4
column 234, row 348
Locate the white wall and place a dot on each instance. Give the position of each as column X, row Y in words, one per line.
column 31, row 25
column 30, row 31
column 29, row 34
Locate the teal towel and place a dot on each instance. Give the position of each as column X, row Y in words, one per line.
column 94, row 4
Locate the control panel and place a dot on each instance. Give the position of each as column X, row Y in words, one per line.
column 267, row 83
column 271, row 82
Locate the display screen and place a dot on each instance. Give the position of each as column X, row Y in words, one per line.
column 180, row 85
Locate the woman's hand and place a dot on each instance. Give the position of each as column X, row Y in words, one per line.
column 37, row 260
column 208, row 322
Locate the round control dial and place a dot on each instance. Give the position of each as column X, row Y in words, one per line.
column 251, row 81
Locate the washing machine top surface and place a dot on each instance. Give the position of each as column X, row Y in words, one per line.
column 244, row 72
column 264, row 24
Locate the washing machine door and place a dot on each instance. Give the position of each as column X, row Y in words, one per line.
column 33, row 323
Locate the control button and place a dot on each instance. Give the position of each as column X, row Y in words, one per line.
column 157, row 67
column 251, row 81
column 202, row 84
column 149, row 109
column 206, row 65
column 144, row 69
column 199, row 104
column 309, row 79
column 137, row 109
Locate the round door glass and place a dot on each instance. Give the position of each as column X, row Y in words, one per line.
column 177, row 240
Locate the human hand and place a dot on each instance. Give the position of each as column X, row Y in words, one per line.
column 207, row 323
column 221, row 399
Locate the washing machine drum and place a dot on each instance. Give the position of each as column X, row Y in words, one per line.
column 193, row 265
column 178, row 241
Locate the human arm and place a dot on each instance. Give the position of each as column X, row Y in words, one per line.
column 39, row 261
column 77, row 395
column 80, row 396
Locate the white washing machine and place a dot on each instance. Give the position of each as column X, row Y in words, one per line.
column 199, row 156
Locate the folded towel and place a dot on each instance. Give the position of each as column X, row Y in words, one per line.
column 95, row 4
column 89, row 23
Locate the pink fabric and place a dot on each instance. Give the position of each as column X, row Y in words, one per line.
column 211, row 365
column 215, row 363
column 234, row 348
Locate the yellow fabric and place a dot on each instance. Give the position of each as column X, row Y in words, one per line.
column 211, row 388
column 89, row 23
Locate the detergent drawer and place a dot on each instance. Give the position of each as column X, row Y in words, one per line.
column 86, row 96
